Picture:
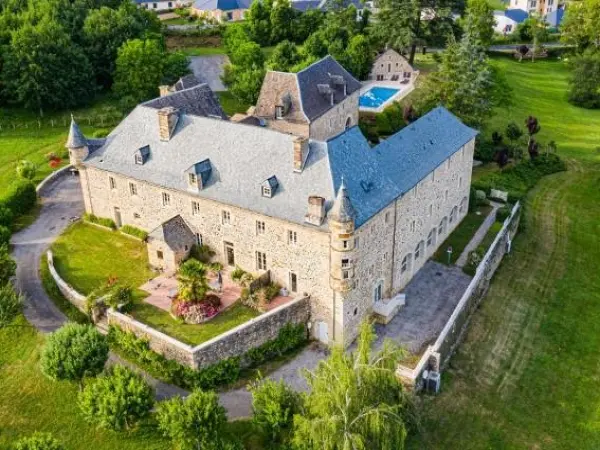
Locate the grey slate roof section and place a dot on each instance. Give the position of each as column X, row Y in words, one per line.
column 242, row 158
column 305, row 5
column 186, row 82
column 176, row 233
column 374, row 177
column 198, row 100
column 314, row 103
column 76, row 138
column 223, row 5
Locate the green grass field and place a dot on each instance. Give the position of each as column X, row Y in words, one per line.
column 230, row 104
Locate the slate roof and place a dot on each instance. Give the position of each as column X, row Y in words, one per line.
column 305, row 5
column 518, row 15
column 186, row 82
column 374, row 177
column 223, row 5
column 314, row 104
column 555, row 17
column 198, row 100
column 175, row 232
column 342, row 209
column 77, row 139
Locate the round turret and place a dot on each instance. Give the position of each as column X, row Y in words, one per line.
column 77, row 144
column 341, row 227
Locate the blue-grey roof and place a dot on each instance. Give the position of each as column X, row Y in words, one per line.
column 198, row 100
column 175, row 232
column 223, row 5
column 305, row 5
column 76, row 138
column 518, row 15
column 555, row 17
column 374, row 177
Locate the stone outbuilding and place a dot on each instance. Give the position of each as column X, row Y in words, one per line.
column 221, row 10
column 170, row 243
column 392, row 66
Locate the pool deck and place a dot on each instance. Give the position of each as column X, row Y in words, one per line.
column 405, row 89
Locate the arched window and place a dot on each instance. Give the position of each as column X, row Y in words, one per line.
column 442, row 227
column 463, row 205
column 406, row 263
column 348, row 122
column 419, row 250
column 453, row 214
column 431, row 238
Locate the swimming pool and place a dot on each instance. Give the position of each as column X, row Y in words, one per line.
column 376, row 96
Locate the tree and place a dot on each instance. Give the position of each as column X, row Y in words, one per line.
column 464, row 83
column 306, row 24
column 133, row 77
column 176, row 66
column 11, row 304
column 580, row 24
column 258, row 19
column 247, row 55
column 482, row 15
column 585, row 80
column 513, row 132
column 117, row 400
column 533, row 127
column 38, row 441
column 8, row 266
column 359, row 56
column 282, row 21
column 43, row 68
column 234, row 35
column 284, row 57
column 73, row 352
column 316, row 45
column 26, row 169
column 355, row 401
column 193, row 284
column 193, row 423
column 274, row 405
column 245, row 74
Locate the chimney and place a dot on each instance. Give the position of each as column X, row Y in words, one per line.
column 300, row 153
column 167, row 121
column 316, row 210
column 164, row 90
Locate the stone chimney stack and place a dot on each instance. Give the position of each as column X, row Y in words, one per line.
column 300, row 153
column 167, row 121
column 316, row 210
column 164, row 90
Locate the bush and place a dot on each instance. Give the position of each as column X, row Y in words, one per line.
column 135, row 232
column 38, row 441
column 20, row 197
column 274, row 405
column 7, row 265
column 103, row 221
column 117, row 400
column 11, row 304
column 484, row 150
column 6, row 216
column 202, row 253
column 121, row 298
column 26, row 170
column 73, row 352
column 5, row 234
column 503, row 213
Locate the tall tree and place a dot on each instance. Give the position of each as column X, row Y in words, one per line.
column 246, row 72
column 359, row 56
column 483, row 20
column 581, row 24
column 282, row 21
column 43, row 68
column 258, row 19
column 284, row 57
column 585, row 80
column 355, row 401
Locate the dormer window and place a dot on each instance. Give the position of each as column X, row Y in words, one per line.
column 198, row 175
column 193, row 179
column 141, row 155
column 139, row 160
column 269, row 187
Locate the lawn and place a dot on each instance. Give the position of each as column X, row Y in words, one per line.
column 461, row 236
column 193, row 334
column 86, row 256
column 230, row 104
column 202, row 51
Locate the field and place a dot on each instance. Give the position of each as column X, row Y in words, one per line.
column 526, row 375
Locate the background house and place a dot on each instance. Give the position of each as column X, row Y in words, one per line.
column 391, row 66
column 162, row 5
column 221, row 10
column 507, row 21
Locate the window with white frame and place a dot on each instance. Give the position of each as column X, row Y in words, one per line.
column 419, row 250
column 260, row 227
column 133, row 189
column 193, row 179
column 292, row 237
column 378, row 292
column 112, row 183
column 261, row 261
column 195, row 208
column 225, row 217
column 266, row 191
column 166, row 199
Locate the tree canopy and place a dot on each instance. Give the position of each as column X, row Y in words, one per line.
column 580, row 25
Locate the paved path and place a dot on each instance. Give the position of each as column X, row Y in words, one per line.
column 479, row 235
column 209, row 69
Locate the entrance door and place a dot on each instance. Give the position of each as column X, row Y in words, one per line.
column 293, row 282
column 229, row 254
column 118, row 217
column 322, row 332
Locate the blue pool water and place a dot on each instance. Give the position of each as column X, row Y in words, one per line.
column 376, row 96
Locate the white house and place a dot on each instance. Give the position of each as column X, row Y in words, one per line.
column 155, row 5
column 507, row 21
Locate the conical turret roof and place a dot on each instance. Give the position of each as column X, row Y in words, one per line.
column 76, row 138
column 342, row 209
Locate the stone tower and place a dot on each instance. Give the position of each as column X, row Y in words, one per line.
column 77, row 144
column 341, row 227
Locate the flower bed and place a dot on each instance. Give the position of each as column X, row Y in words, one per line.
column 197, row 312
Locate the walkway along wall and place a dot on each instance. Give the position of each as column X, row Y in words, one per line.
column 437, row 356
column 234, row 342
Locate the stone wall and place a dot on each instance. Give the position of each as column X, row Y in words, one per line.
column 438, row 355
column 334, row 121
column 234, row 342
column 65, row 288
column 390, row 63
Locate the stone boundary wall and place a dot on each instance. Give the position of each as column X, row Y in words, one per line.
column 67, row 290
column 234, row 342
column 437, row 356
column 52, row 177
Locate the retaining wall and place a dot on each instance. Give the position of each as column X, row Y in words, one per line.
column 437, row 356
column 67, row 290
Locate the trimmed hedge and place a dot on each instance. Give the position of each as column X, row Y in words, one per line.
column 20, row 197
column 224, row 372
column 135, row 232
column 103, row 221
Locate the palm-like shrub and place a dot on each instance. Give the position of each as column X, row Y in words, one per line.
column 38, row 441
column 192, row 278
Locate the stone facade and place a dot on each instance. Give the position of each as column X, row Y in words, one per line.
column 338, row 119
column 220, row 15
column 391, row 64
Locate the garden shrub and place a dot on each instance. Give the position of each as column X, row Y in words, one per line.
column 135, row 232
column 202, row 253
column 6, row 216
column 11, row 304
column 503, row 213
column 103, row 221
column 121, row 298
column 224, row 372
column 26, row 169
column 38, row 441
column 20, row 197
column 4, row 235
column 484, row 150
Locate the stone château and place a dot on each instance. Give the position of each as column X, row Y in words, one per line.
column 292, row 187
